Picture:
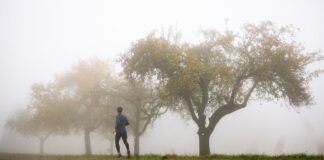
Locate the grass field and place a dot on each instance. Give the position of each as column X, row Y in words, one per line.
column 10, row 156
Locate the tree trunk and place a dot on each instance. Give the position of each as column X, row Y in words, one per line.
column 87, row 142
column 137, row 131
column 204, row 144
column 41, row 145
column 136, row 144
column 112, row 144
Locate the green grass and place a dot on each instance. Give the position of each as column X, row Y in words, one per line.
column 10, row 156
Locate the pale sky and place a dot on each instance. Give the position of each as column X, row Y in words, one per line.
column 41, row 38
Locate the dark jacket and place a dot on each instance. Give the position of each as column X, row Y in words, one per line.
column 121, row 123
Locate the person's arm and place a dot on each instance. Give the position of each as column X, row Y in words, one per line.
column 116, row 119
column 126, row 122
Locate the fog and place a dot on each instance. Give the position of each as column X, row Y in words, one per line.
column 39, row 39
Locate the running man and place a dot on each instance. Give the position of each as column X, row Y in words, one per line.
column 120, row 129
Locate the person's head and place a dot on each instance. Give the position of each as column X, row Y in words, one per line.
column 119, row 109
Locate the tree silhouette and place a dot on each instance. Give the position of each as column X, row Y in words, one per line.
column 218, row 76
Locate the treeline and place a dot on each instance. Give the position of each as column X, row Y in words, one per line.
column 204, row 81
column 84, row 99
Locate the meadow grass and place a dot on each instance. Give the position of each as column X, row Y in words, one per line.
column 11, row 156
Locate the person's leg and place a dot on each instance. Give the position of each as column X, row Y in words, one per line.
column 124, row 137
column 117, row 138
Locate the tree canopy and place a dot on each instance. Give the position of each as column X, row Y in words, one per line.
column 88, row 84
column 46, row 115
column 218, row 75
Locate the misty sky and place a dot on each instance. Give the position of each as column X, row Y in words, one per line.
column 41, row 38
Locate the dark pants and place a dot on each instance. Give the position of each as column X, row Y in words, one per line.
column 124, row 137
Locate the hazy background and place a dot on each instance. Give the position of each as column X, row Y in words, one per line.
column 40, row 38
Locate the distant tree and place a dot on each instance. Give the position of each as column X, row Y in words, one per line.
column 44, row 117
column 23, row 122
column 106, row 131
column 87, row 83
column 218, row 76
column 142, row 106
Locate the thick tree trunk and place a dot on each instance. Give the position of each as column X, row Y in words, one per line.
column 204, row 144
column 87, row 142
column 136, row 144
column 41, row 146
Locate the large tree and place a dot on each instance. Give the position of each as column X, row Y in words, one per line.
column 218, row 76
column 45, row 116
column 87, row 83
column 143, row 106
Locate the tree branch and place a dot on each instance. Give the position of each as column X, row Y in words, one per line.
column 219, row 114
column 191, row 109
column 131, row 124
column 163, row 112
column 234, row 91
column 204, row 89
column 227, row 109
column 195, row 102
column 248, row 95
column 145, row 126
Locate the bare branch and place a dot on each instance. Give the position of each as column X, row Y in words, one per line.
column 220, row 113
column 191, row 109
column 248, row 95
column 234, row 91
column 145, row 126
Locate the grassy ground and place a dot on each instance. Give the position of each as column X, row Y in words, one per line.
column 10, row 156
